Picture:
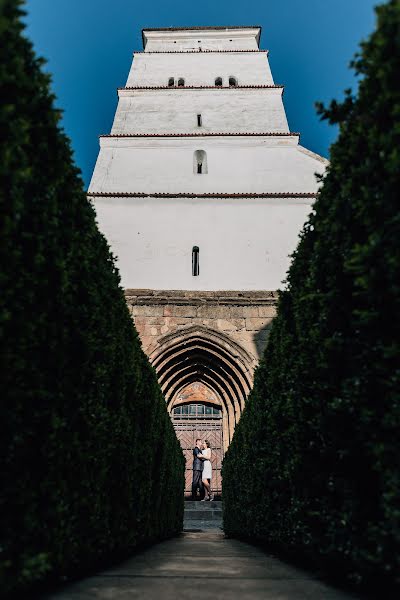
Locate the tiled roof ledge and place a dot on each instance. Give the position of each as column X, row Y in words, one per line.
column 204, row 134
column 121, row 90
column 205, row 51
column 199, row 195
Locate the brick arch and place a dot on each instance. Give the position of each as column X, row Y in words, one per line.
column 202, row 354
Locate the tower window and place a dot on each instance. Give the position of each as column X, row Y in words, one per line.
column 195, row 261
column 171, row 82
column 232, row 82
column 200, row 162
column 181, row 82
column 199, row 121
column 218, row 81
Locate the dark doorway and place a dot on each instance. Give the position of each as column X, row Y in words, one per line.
column 200, row 420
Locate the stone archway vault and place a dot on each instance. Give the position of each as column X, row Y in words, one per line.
column 200, row 354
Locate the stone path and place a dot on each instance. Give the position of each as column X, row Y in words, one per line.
column 202, row 516
column 201, row 566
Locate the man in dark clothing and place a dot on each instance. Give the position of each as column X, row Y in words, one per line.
column 197, row 482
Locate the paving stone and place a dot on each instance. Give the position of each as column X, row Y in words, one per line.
column 207, row 505
column 202, row 565
column 194, row 525
column 206, row 515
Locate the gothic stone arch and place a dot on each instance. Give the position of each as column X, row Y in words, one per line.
column 199, row 353
column 216, row 336
column 209, row 339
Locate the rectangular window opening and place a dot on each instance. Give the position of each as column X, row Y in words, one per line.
column 195, row 261
column 199, row 121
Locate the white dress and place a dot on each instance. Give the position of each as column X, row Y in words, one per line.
column 207, row 469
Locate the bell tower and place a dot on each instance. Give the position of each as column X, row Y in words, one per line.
column 201, row 190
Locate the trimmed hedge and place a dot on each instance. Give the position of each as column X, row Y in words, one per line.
column 313, row 468
column 91, row 463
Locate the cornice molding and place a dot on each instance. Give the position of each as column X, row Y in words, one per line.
column 202, row 195
column 197, row 51
column 200, row 87
column 203, row 28
column 205, row 134
column 149, row 297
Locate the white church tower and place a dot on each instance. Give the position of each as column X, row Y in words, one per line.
column 201, row 185
column 201, row 191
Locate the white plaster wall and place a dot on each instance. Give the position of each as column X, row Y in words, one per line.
column 200, row 68
column 235, row 164
column 244, row 243
column 229, row 39
column 175, row 111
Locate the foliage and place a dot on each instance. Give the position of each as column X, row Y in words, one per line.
column 86, row 441
column 318, row 440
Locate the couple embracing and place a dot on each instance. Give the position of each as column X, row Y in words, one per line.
column 202, row 471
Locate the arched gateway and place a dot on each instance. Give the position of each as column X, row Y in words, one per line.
column 201, row 189
column 205, row 378
column 204, row 347
column 201, row 354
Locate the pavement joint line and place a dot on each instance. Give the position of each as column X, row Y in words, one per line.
column 241, row 556
column 216, row 577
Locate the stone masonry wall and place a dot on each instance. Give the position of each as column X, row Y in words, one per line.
column 245, row 317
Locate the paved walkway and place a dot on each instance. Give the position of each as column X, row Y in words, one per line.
column 201, row 516
column 201, row 566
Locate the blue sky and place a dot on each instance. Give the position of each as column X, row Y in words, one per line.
column 89, row 43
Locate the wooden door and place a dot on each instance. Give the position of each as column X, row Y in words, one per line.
column 188, row 429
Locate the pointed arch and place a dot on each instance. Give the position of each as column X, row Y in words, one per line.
column 201, row 354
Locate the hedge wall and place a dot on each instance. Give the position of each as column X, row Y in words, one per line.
column 91, row 466
column 318, row 439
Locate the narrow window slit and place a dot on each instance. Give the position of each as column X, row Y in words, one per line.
column 195, row 261
column 199, row 121
column 200, row 162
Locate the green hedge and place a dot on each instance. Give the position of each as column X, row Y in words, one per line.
column 91, row 466
column 313, row 468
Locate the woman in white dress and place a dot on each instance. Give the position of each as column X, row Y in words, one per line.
column 207, row 470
